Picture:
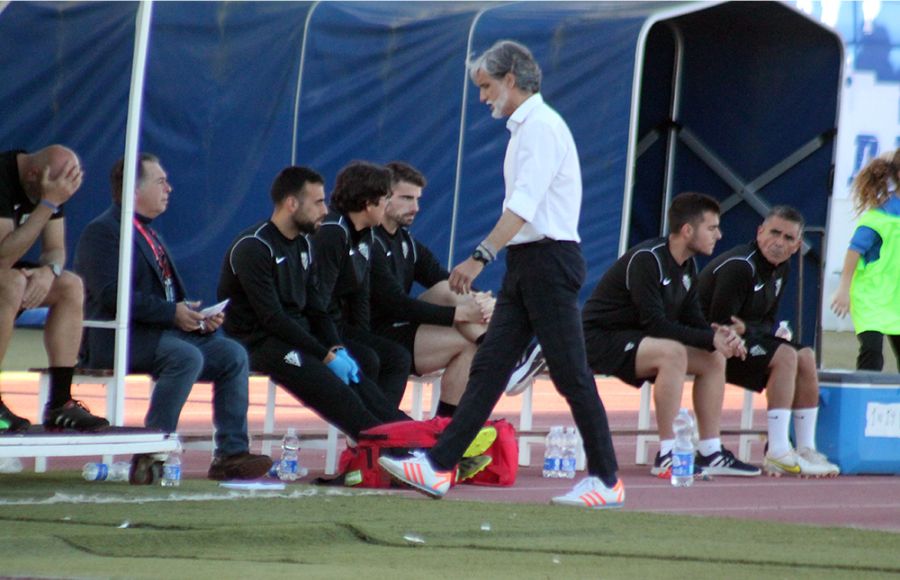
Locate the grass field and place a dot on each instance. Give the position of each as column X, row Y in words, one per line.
column 55, row 525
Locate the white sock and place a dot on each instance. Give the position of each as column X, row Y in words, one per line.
column 707, row 447
column 779, row 426
column 805, row 426
column 665, row 446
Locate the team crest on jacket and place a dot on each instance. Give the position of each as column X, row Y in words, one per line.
column 364, row 250
column 304, row 260
column 777, row 286
column 686, row 281
column 405, row 247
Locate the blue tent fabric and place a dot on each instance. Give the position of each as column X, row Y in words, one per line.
column 387, row 80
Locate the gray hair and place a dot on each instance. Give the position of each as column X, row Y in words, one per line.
column 508, row 56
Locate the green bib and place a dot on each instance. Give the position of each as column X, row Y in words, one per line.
column 875, row 290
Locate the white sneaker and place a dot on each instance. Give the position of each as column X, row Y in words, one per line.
column 531, row 363
column 818, row 459
column 591, row 493
column 792, row 463
column 418, row 473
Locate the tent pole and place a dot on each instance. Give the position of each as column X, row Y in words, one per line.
column 672, row 131
column 300, row 83
column 132, row 138
column 454, row 216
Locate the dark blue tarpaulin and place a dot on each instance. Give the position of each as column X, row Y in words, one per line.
column 237, row 90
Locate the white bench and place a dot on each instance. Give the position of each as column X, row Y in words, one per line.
column 106, row 378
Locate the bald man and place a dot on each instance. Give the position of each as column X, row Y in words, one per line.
column 33, row 189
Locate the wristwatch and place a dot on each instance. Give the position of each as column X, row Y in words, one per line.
column 480, row 256
column 56, row 269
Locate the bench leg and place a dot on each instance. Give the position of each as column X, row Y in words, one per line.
column 417, row 388
column 331, row 454
column 435, row 396
column 643, row 441
column 746, row 441
column 525, row 424
column 269, row 421
column 40, row 463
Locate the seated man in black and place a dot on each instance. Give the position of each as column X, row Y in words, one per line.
column 439, row 328
column 343, row 248
column 278, row 313
column 745, row 285
column 643, row 322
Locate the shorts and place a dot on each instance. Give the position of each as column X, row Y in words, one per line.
column 614, row 352
column 403, row 333
column 753, row 372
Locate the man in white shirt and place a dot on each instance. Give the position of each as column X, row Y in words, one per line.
column 539, row 295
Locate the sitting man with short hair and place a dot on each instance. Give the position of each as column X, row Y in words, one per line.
column 34, row 187
column 440, row 329
column 744, row 285
column 168, row 337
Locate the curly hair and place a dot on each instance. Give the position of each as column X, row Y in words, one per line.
column 876, row 182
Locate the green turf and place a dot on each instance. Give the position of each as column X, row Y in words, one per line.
column 321, row 533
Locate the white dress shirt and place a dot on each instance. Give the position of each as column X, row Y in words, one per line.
column 542, row 174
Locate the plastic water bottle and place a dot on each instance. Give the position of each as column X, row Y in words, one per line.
column 784, row 330
column 683, row 451
column 289, row 466
column 118, row 471
column 171, row 470
column 569, row 449
column 553, row 452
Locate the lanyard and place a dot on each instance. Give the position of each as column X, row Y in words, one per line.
column 162, row 259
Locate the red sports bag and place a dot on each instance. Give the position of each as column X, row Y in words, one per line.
column 360, row 468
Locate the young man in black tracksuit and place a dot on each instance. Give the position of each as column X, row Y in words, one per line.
column 343, row 248
column 439, row 328
column 277, row 312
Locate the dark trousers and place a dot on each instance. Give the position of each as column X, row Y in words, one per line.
column 384, row 361
column 539, row 297
column 871, row 350
column 351, row 408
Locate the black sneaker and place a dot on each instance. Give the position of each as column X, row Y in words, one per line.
column 146, row 469
column 239, row 466
column 724, row 462
column 10, row 422
column 73, row 415
column 662, row 464
column 531, row 363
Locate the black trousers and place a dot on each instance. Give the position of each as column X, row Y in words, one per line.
column 871, row 350
column 539, row 296
column 351, row 408
column 384, row 361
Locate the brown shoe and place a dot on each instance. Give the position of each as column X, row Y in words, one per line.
column 239, row 466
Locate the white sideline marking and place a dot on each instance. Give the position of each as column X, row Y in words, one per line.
column 63, row 498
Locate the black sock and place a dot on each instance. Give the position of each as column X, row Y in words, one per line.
column 60, row 386
column 445, row 409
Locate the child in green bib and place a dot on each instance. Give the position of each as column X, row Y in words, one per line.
column 870, row 281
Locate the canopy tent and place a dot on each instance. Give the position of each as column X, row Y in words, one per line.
column 235, row 91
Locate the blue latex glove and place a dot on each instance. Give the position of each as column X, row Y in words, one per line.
column 341, row 367
column 354, row 368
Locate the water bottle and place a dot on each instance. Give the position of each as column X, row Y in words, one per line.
column 118, row 471
column 289, row 466
column 683, row 451
column 553, row 452
column 171, row 470
column 570, row 448
column 784, row 330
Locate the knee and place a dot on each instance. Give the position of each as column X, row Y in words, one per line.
column 187, row 359
column 675, row 358
column 12, row 288
column 785, row 358
column 70, row 287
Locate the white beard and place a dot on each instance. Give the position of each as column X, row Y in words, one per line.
column 498, row 105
